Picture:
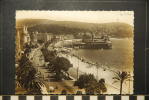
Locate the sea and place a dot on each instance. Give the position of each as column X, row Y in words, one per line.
column 120, row 57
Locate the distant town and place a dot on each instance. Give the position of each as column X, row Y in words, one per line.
column 49, row 63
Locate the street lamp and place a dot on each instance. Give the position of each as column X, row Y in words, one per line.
column 78, row 67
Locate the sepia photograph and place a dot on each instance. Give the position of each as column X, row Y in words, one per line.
column 74, row 52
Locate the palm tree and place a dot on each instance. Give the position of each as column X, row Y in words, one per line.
column 28, row 79
column 121, row 77
column 27, row 76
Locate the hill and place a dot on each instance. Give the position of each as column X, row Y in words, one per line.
column 115, row 29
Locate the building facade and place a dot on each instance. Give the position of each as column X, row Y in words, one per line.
column 22, row 37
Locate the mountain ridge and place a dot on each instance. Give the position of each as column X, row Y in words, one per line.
column 117, row 29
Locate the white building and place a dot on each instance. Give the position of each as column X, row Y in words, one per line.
column 26, row 35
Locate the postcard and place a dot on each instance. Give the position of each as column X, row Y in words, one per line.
column 74, row 52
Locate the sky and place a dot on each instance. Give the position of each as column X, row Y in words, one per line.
column 81, row 16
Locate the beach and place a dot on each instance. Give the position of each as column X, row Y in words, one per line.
column 93, row 64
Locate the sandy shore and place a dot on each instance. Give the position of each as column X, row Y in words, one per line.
column 99, row 72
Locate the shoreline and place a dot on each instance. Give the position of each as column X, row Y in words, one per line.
column 98, row 72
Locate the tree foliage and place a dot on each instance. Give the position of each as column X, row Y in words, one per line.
column 90, row 84
column 60, row 65
column 27, row 76
column 49, row 56
column 84, row 79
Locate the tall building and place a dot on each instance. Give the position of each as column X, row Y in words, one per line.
column 22, row 37
column 26, row 35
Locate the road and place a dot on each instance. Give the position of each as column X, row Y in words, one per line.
column 38, row 60
column 36, row 57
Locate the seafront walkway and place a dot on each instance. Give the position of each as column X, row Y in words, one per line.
column 80, row 64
